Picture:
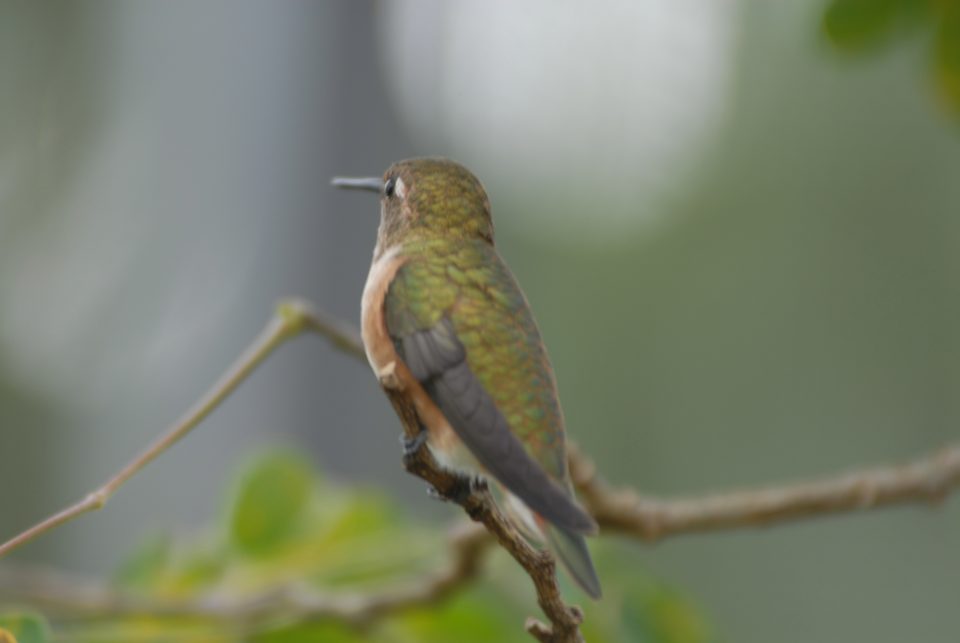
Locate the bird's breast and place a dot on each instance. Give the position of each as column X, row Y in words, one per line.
column 373, row 329
column 384, row 360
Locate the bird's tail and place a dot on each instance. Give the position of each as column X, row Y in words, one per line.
column 571, row 549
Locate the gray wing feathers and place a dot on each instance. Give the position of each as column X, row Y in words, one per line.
column 438, row 360
column 430, row 352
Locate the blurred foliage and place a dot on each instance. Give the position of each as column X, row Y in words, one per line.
column 23, row 627
column 284, row 523
column 859, row 26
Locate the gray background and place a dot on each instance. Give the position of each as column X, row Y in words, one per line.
column 793, row 311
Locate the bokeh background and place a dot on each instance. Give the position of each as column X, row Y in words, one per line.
column 736, row 221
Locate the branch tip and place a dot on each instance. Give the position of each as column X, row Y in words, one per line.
column 293, row 313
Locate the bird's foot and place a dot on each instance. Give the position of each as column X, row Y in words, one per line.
column 464, row 487
column 411, row 446
column 436, row 495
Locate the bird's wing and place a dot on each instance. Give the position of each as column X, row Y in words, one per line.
column 421, row 308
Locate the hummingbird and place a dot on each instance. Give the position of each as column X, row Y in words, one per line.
column 443, row 313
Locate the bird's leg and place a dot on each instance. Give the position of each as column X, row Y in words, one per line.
column 464, row 485
column 411, row 450
column 411, row 447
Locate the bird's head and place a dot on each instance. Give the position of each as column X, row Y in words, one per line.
column 427, row 198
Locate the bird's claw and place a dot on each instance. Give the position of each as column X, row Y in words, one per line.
column 478, row 484
column 436, row 495
column 465, row 487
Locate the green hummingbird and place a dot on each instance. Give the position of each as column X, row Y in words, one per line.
column 444, row 314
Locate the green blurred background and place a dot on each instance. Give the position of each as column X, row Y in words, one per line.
column 736, row 222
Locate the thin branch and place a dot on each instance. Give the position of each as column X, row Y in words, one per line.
column 927, row 479
column 343, row 335
column 56, row 592
column 292, row 318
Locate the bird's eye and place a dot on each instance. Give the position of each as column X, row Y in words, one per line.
column 390, row 187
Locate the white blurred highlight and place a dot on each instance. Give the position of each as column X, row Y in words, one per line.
column 599, row 113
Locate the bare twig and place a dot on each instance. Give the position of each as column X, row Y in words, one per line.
column 292, row 318
column 343, row 335
column 927, row 479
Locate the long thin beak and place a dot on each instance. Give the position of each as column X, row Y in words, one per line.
column 372, row 184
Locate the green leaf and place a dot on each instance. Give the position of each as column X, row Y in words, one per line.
column 859, row 25
column 475, row 616
column 270, row 502
column 24, row 627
